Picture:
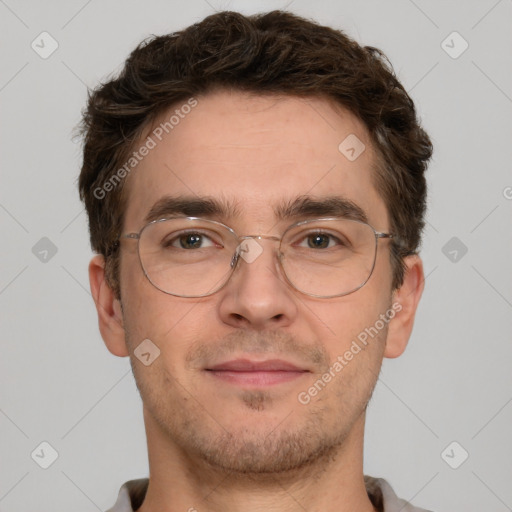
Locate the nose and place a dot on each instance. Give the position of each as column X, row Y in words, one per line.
column 257, row 295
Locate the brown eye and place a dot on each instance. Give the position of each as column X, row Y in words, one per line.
column 318, row 241
column 187, row 240
column 191, row 241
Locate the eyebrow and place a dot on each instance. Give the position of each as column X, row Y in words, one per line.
column 300, row 207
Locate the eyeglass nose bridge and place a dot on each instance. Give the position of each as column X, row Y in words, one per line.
column 241, row 249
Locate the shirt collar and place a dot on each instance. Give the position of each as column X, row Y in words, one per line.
column 132, row 493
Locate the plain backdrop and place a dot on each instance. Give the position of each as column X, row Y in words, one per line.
column 440, row 421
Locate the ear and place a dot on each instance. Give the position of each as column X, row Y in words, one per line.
column 110, row 317
column 404, row 303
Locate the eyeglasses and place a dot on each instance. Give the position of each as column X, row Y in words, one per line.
column 193, row 257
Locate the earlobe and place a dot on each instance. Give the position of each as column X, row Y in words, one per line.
column 405, row 302
column 110, row 318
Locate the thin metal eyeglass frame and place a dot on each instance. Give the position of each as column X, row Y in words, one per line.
column 236, row 256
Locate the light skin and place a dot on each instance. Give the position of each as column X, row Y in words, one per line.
column 219, row 446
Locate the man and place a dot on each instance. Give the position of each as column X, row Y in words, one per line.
column 255, row 190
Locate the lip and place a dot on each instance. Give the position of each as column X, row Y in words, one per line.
column 249, row 373
column 247, row 365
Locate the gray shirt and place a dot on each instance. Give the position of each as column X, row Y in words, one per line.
column 382, row 496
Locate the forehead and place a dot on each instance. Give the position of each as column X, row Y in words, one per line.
column 255, row 153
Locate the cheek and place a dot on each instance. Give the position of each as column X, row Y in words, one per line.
column 355, row 318
column 148, row 312
column 167, row 321
column 171, row 323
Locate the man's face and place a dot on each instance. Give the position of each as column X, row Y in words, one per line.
column 256, row 154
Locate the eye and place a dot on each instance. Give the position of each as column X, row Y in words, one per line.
column 320, row 241
column 188, row 241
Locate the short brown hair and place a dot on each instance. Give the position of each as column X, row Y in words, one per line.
column 276, row 52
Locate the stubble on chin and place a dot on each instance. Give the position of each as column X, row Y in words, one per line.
column 270, row 438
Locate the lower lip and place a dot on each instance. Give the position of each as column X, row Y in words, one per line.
column 259, row 379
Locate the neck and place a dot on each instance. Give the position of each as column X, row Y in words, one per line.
column 180, row 481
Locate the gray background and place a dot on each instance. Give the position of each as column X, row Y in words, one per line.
column 59, row 384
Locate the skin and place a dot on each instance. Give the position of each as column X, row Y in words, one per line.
column 215, row 446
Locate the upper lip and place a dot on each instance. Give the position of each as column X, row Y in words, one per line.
column 247, row 365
